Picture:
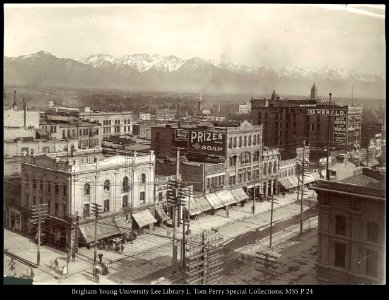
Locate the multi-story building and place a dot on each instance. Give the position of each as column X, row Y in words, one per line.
column 69, row 186
column 245, row 108
column 288, row 122
column 87, row 133
column 144, row 116
column 240, row 170
column 112, row 123
column 224, row 109
column 351, row 229
column 167, row 114
column 142, row 130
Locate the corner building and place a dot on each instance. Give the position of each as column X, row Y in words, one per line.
column 70, row 187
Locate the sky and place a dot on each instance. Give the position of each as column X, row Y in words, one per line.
column 269, row 35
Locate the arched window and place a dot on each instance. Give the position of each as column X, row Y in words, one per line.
column 143, row 178
column 240, row 141
column 255, row 139
column 270, row 169
column 230, row 145
column 126, row 186
column 86, row 189
column 264, row 168
column 249, row 140
column 234, row 142
column 245, row 141
column 106, row 185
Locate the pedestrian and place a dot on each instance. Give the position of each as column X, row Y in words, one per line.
column 31, row 273
column 12, row 264
column 65, row 271
column 101, row 258
column 121, row 248
column 56, row 263
column 68, row 258
column 74, row 256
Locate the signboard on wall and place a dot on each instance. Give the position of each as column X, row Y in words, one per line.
column 208, row 141
column 182, row 134
column 326, row 112
column 340, row 130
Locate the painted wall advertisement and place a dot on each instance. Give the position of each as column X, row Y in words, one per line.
column 340, row 130
column 208, row 141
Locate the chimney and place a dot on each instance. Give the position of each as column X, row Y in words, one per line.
column 25, row 113
column 199, row 105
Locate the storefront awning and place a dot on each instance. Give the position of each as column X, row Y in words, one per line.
column 285, row 183
column 226, row 197
column 214, row 200
column 144, row 218
column 202, row 203
column 125, row 226
column 105, row 228
column 239, row 194
column 160, row 214
column 372, row 163
column 193, row 208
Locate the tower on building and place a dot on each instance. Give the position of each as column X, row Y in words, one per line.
column 313, row 92
column 199, row 105
column 274, row 95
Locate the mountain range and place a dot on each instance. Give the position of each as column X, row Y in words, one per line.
column 169, row 73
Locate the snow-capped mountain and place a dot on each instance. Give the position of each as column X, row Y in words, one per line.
column 168, row 72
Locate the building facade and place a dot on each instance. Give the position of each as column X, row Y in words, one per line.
column 288, row 122
column 88, row 134
column 351, row 229
column 112, row 123
column 70, row 186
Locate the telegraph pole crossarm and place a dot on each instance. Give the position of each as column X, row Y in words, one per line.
column 96, row 208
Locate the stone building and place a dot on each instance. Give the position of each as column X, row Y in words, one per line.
column 69, row 187
column 351, row 229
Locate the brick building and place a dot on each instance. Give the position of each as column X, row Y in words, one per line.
column 287, row 122
column 235, row 178
column 351, row 229
column 69, row 187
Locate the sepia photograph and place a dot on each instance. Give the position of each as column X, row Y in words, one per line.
column 179, row 146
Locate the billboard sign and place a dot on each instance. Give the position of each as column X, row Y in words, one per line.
column 208, row 141
column 340, row 130
column 182, row 135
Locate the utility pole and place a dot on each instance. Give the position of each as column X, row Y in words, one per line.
column 328, row 142
column 302, row 193
column 174, row 208
column 254, row 197
column 38, row 216
column 271, row 220
column 96, row 211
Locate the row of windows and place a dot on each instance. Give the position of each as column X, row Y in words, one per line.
column 269, row 168
column 286, row 173
column 107, row 185
column 312, row 127
column 370, row 259
column 39, row 186
column 56, row 205
column 117, row 122
column 106, row 206
column 215, row 182
column 372, row 229
column 244, row 141
column 245, row 158
column 293, row 112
